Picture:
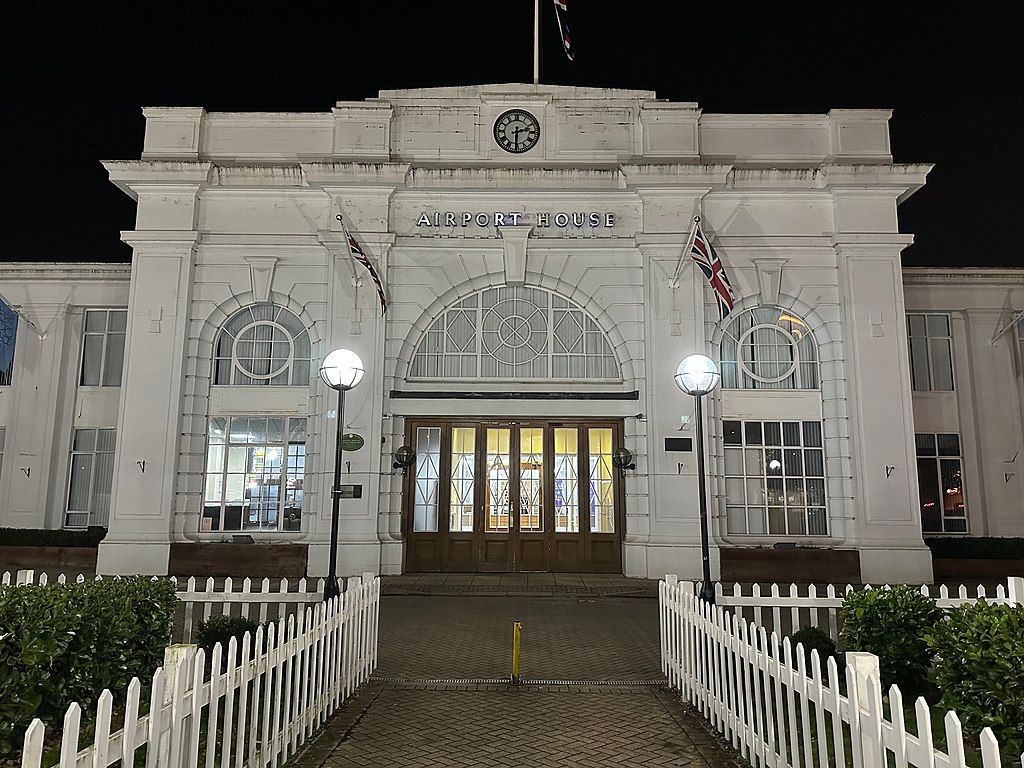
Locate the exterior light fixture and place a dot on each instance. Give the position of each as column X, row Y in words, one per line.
column 697, row 375
column 623, row 459
column 341, row 370
column 405, row 457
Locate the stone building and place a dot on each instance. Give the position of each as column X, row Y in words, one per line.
column 527, row 238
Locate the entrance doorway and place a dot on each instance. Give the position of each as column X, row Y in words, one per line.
column 513, row 495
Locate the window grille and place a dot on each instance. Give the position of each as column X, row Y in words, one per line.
column 774, row 478
column 940, row 483
column 261, row 345
column 92, row 475
column 103, row 347
column 514, row 333
column 769, row 348
column 255, row 468
column 931, row 352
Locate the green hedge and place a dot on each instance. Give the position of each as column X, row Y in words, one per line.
column 977, row 548
column 38, row 537
column 64, row 643
column 979, row 669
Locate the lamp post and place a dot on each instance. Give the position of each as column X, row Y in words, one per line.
column 698, row 375
column 341, row 370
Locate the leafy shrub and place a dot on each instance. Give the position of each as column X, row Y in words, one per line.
column 813, row 638
column 977, row 547
column 38, row 537
column 67, row 642
column 891, row 623
column 980, row 669
column 220, row 629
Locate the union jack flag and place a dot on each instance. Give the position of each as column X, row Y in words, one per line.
column 707, row 259
column 359, row 255
column 562, row 13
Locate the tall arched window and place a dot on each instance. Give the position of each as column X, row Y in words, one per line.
column 769, row 348
column 514, row 332
column 262, row 345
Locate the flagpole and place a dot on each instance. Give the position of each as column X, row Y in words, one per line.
column 536, row 42
column 674, row 282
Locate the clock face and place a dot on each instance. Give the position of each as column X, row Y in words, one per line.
column 516, row 131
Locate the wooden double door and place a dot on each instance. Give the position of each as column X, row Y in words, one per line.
column 513, row 495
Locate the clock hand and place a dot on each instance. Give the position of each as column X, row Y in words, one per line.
column 517, row 130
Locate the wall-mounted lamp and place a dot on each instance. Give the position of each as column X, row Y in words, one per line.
column 622, row 459
column 405, row 457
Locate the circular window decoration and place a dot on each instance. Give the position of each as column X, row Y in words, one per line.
column 768, row 353
column 514, row 332
column 262, row 350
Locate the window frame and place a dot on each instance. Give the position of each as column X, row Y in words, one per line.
column 928, row 338
column 298, row 340
column 936, row 457
column 107, row 311
column 747, row 378
column 16, row 318
column 91, row 512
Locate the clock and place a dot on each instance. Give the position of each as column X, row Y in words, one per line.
column 516, row 131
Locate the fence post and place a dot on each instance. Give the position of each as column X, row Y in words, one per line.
column 177, row 669
column 1015, row 590
column 867, row 707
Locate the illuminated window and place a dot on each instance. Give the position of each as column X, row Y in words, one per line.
column 103, row 347
column 514, row 332
column 769, row 348
column 499, row 498
column 567, row 497
column 774, row 478
column 255, row 467
column 8, row 335
column 460, row 512
column 92, row 475
column 931, row 352
column 602, row 499
column 261, row 345
column 940, row 483
column 531, row 478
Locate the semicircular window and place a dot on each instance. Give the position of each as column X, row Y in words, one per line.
column 262, row 345
column 769, row 348
column 514, row 332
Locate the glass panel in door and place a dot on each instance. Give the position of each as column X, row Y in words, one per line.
column 602, row 498
column 498, row 503
column 531, row 479
column 463, row 479
column 566, row 479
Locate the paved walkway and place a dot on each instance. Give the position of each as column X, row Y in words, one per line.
column 518, row 584
column 592, row 696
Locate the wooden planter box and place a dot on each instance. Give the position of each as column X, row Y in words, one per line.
column 788, row 566
column 56, row 559
column 238, row 560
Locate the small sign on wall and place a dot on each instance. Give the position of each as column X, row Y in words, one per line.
column 350, row 441
column 678, row 444
column 353, row 491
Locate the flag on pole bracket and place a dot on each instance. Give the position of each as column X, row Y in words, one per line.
column 562, row 14
column 705, row 257
column 357, row 253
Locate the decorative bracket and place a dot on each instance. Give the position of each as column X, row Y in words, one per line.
column 769, row 278
column 261, row 273
column 514, row 240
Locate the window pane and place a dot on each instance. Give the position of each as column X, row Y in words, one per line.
column 602, row 504
column 925, row 444
column 772, row 433
column 428, row 462
column 952, row 488
column 773, row 461
column 106, row 440
column 928, row 489
column 938, row 325
column 812, row 434
column 948, row 444
column 102, row 480
column 498, row 498
column 791, row 433
column 920, row 380
column 736, row 518
column 734, row 461
column 734, row 490
column 731, row 433
column 460, row 513
column 81, row 477
column 942, row 365
column 756, row 522
column 814, row 463
column 916, row 325
column 531, row 478
column 95, row 320
column 92, row 361
column 752, row 430
column 84, row 440
column 566, row 476
column 114, row 361
column 117, row 320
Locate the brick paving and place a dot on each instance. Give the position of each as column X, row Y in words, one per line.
column 592, row 696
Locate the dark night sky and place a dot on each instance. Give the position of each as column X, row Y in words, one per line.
column 76, row 76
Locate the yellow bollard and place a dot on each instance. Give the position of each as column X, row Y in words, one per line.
column 517, row 635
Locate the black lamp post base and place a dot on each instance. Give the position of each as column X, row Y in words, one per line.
column 707, row 592
column 331, row 589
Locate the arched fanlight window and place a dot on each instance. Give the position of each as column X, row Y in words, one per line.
column 769, row 348
column 262, row 345
column 514, row 333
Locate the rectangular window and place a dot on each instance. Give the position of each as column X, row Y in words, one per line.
column 499, row 462
column 255, row 468
column 940, row 482
column 774, row 478
column 3, row 439
column 460, row 512
column 567, row 504
column 428, row 463
column 8, row 335
column 531, row 478
column 1020, row 344
column 92, row 474
column 103, row 347
column 602, row 484
column 931, row 352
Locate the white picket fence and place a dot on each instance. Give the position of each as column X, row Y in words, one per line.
column 260, row 600
column 786, row 609
column 781, row 709
column 254, row 707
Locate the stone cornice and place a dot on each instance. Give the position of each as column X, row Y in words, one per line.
column 504, row 178
column 126, row 175
column 963, row 275
column 374, row 174
column 79, row 272
column 676, row 175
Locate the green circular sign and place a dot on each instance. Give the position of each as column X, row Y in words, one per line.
column 351, row 441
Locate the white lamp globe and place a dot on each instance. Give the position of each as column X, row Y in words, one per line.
column 341, row 369
column 697, row 375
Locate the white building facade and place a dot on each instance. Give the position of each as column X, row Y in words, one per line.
column 527, row 237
